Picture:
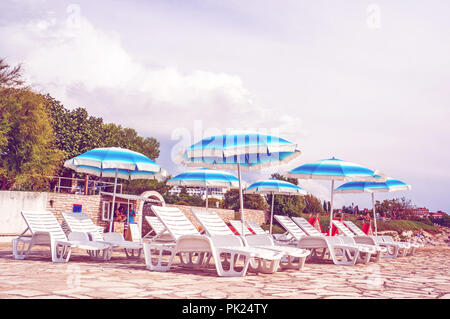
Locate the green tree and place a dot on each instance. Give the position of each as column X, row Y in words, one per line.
column 251, row 201
column 28, row 153
column 286, row 205
column 312, row 205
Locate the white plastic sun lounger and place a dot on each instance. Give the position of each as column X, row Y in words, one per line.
column 255, row 227
column 158, row 232
column 340, row 253
column 46, row 231
column 226, row 251
column 366, row 251
column 215, row 226
column 393, row 248
column 346, row 233
column 237, row 225
column 81, row 222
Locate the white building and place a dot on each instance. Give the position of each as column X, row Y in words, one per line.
column 213, row 192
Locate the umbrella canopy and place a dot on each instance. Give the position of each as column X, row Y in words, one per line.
column 240, row 151
column 249, row 151
column 335, row 169
column 274, row 187
column 114, row 162
column 205, row 177
column 390, row 185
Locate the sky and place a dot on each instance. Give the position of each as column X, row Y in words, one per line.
column 363, row 81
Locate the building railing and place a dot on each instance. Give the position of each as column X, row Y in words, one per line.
column 78, row 186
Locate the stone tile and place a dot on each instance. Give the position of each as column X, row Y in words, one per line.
column 424, row 275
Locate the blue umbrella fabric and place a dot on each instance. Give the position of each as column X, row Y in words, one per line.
column 114, row 162
column 249, row 151
column 335, row 169
column 274, row 187
column 205, row 177
column 390, row 185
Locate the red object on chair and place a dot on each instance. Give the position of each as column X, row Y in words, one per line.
column 316, row 223
column 233, row 230
column 367, row 228
column 334, row 230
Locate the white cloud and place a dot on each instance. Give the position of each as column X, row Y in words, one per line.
column 75, row 60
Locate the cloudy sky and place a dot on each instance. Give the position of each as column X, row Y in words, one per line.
column 364, row 81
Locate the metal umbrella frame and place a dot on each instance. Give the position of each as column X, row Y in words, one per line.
column 248, row 151
column 390, row 185
column 274, row 187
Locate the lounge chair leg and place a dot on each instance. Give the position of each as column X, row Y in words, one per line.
column 21, row 248
column 363, row 258
column 157, row 263
column 293, row 262
column 231, row 269
column 60, row 252
column 133, row 253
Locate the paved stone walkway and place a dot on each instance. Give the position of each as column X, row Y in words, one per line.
column 425, row 275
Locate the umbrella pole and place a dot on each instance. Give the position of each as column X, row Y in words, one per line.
column 206, row 197
column 241, row 199
column 331, row 207
column 113, row 202
column 374, row 213
column 271, row 214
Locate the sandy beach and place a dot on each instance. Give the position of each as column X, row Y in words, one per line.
column 424, row 275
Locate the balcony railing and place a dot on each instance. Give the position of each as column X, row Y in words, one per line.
column 78, row 186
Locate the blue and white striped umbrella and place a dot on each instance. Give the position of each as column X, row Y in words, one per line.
column 114, row 162
column 205, row 177
column 242, row 151
column 250, row 151
column 390, row 185
column 335, row 169
column 274, row 187
column 106, row 161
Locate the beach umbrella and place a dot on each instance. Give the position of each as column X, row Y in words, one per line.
column 114, row 162
column 335, row 170
column 205, row 177
column 246, row 152
column 390, row 185
column 274, row 187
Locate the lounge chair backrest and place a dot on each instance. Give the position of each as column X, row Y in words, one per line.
column 354, row 228
column 176, row 223
column 290, row 226
column 306, row 226
column 342, row 228
column 256, row 228
column 237, row 225
column 44, row 221
column 81, row 222
column 211, row 222
column 155, row 224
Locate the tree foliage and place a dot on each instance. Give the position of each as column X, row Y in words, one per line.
column 28, row 153
column 312, row 205
column 78, row 132
column 10, row 77
column 251, row 201
column 394, row 208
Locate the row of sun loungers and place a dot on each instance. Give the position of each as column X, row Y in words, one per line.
column 173, row 235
